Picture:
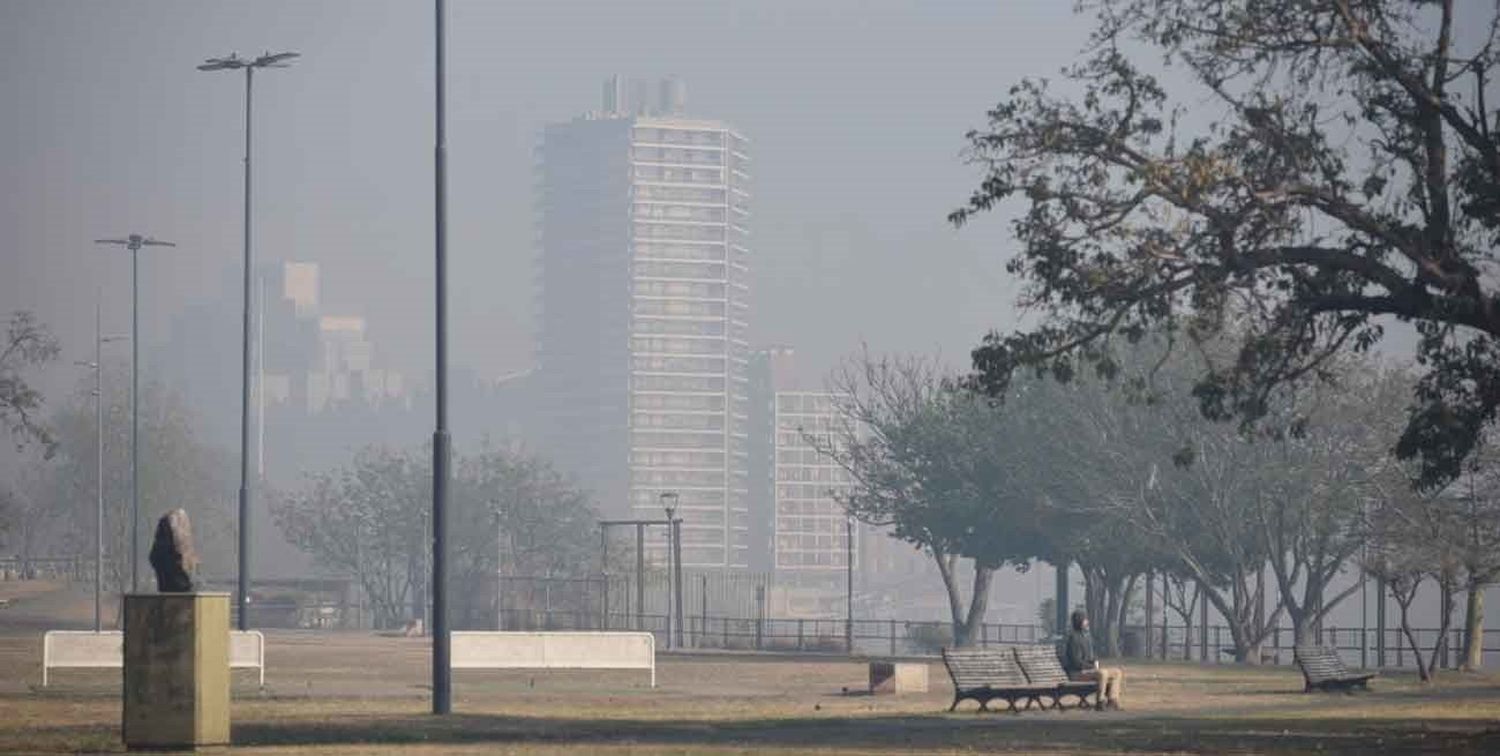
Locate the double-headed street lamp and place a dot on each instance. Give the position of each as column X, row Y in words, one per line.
column 235, row 63
column 134, row 242
column 97, row 367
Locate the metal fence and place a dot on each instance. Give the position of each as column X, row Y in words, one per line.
column 1361, row 647
column 704, row 593
column 74, row 568
column 576, row 604
column 1357, row 646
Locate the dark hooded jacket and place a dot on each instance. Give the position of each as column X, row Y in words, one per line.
column 1078, row 650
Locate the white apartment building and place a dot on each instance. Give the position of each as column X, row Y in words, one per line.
column 810, row 528
column 644, row 241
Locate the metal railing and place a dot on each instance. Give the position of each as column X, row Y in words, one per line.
column 1358, row 647
column 1361, row 647
column 76, row 568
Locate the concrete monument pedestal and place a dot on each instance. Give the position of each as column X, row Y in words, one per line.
column 176, row 670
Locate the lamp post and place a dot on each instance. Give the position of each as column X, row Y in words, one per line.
column 848, row 583
column 442, row 673
column 96, row 366
column 669, row 502
column 235, row 63
column 134, row 242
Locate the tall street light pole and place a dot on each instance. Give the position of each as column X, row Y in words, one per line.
column 97, row 367
column 442, row 673
column 235, row 63
column 134, row 242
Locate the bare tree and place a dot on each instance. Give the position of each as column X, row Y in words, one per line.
column 178, row 468
column 370, row 519
column 934, row 464
column 1412, row 541
column 26, row 344
column 1475, row 509
column 367, row 520
column 1318, row 477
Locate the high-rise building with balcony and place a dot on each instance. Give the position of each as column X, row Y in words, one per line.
column 644, row 302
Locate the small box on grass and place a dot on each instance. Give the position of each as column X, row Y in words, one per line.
column 890, row 677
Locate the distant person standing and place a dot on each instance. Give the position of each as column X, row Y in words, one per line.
column 1079, row 662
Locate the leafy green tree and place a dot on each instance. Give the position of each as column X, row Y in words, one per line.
column 1349, row 175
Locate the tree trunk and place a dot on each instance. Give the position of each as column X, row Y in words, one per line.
column 1187, row 621
column 979, row 602
column 1303, row 631
column 1440, row 648
column 965, row 623
column 945, row 566
column 1123, row 615
column 1404, row 589
column 1411, row 639
column 1093, row 598
column 1474, row 630
column 1260, row 615
column 1113, row 590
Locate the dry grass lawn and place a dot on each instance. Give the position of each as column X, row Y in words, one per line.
column 355, row 693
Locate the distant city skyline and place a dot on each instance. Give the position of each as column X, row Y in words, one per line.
column 865, row 162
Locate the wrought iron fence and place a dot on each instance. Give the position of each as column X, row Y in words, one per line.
column 579, row 604
column 1358, row 647
column 75, row 568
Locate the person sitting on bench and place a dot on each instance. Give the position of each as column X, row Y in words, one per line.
column 1079, row 662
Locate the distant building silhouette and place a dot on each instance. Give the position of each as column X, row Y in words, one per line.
column 798, row 518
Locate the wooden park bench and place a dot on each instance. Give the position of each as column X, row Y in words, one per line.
column 1045, row 672
column 1322, row 669
column 986, row 674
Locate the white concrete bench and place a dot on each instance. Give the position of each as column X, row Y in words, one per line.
column 85, row 649
column 555, row 650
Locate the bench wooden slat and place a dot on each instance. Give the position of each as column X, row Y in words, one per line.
column 1042, row 668
column 1040, row 665
column 1323, row 669
column 985, row 674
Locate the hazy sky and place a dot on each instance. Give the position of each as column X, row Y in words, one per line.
column 856, row 112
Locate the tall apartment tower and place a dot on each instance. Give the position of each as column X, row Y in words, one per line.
column 644, row 300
